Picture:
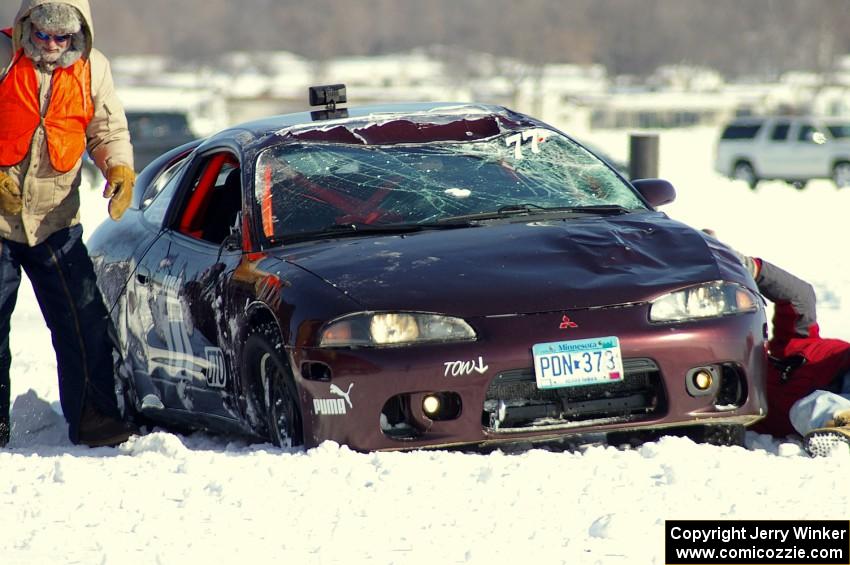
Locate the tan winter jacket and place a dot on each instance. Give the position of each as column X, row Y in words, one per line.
column 52, row 199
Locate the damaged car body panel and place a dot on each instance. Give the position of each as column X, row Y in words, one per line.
column 420, row 276
column 590, row 262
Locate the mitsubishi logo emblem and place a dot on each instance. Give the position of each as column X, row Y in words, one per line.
column 566, row 323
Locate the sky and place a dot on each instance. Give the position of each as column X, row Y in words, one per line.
column 166, row 498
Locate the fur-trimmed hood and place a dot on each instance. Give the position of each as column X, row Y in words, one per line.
column 27, row 6
column 56, row 196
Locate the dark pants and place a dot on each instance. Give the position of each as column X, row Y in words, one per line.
column 63, row 278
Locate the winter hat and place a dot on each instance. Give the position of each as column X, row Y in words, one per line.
column 56, row 18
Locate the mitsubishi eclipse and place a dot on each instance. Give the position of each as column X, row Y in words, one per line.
column 421, row 275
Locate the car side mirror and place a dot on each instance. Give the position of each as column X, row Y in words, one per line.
column 233, row 241
column 657, row 192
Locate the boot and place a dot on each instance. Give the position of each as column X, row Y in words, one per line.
column 97, row 430
column 834, row 435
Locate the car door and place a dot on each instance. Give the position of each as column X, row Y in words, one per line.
column 180, row 284
column 810, row 157
column 777, row 150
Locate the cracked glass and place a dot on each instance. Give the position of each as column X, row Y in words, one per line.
column 304, row 188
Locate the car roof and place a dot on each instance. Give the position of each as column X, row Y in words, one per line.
column 752, row 120
column 834, row 120
column 363, row 116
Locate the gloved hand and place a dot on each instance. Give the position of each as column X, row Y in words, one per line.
column 119, row 189
column 10, row 196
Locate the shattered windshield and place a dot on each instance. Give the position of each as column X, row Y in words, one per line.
column 306, row 188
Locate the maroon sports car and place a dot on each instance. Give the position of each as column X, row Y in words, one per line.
column 424, row 275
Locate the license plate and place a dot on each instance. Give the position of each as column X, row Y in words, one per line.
column 577, row 362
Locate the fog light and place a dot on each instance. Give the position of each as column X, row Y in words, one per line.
column 703, row 379
column 431, row 404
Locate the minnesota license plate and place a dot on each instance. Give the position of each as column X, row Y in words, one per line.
column 577, row 362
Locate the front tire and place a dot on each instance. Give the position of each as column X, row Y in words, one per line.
column 710, row 434
column 720, row 434
column 273, row 388
column 744, row 171
column 841, row 174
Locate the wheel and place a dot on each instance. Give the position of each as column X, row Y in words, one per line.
column 841, row 174
column 719, row 434
column 744, row 171
column 273, row 388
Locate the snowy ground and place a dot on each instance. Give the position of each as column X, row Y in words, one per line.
column 164, row 498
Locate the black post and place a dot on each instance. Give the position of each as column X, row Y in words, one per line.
column 643, row 156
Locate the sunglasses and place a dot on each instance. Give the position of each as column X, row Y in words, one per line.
column 41, row 36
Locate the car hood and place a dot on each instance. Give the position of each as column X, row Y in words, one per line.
column 512, row 268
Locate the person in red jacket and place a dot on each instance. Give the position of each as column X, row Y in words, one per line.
column 808, row 380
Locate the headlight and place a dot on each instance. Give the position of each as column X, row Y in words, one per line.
column 707, row 300
column 375, row 329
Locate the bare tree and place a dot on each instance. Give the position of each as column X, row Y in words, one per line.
column 762, row 37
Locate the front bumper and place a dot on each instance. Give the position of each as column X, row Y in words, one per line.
column 371, row 399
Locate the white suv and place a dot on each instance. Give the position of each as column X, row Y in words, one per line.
column 791, row 148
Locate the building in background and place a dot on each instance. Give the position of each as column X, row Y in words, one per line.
column 247, row 85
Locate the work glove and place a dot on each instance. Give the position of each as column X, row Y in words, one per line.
column 10, row 196
column 119, row 189
column 839, row 419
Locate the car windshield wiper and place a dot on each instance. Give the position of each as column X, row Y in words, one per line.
column 535, row 209
column 603, row 209
column 356, row 229
column 511, row 208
